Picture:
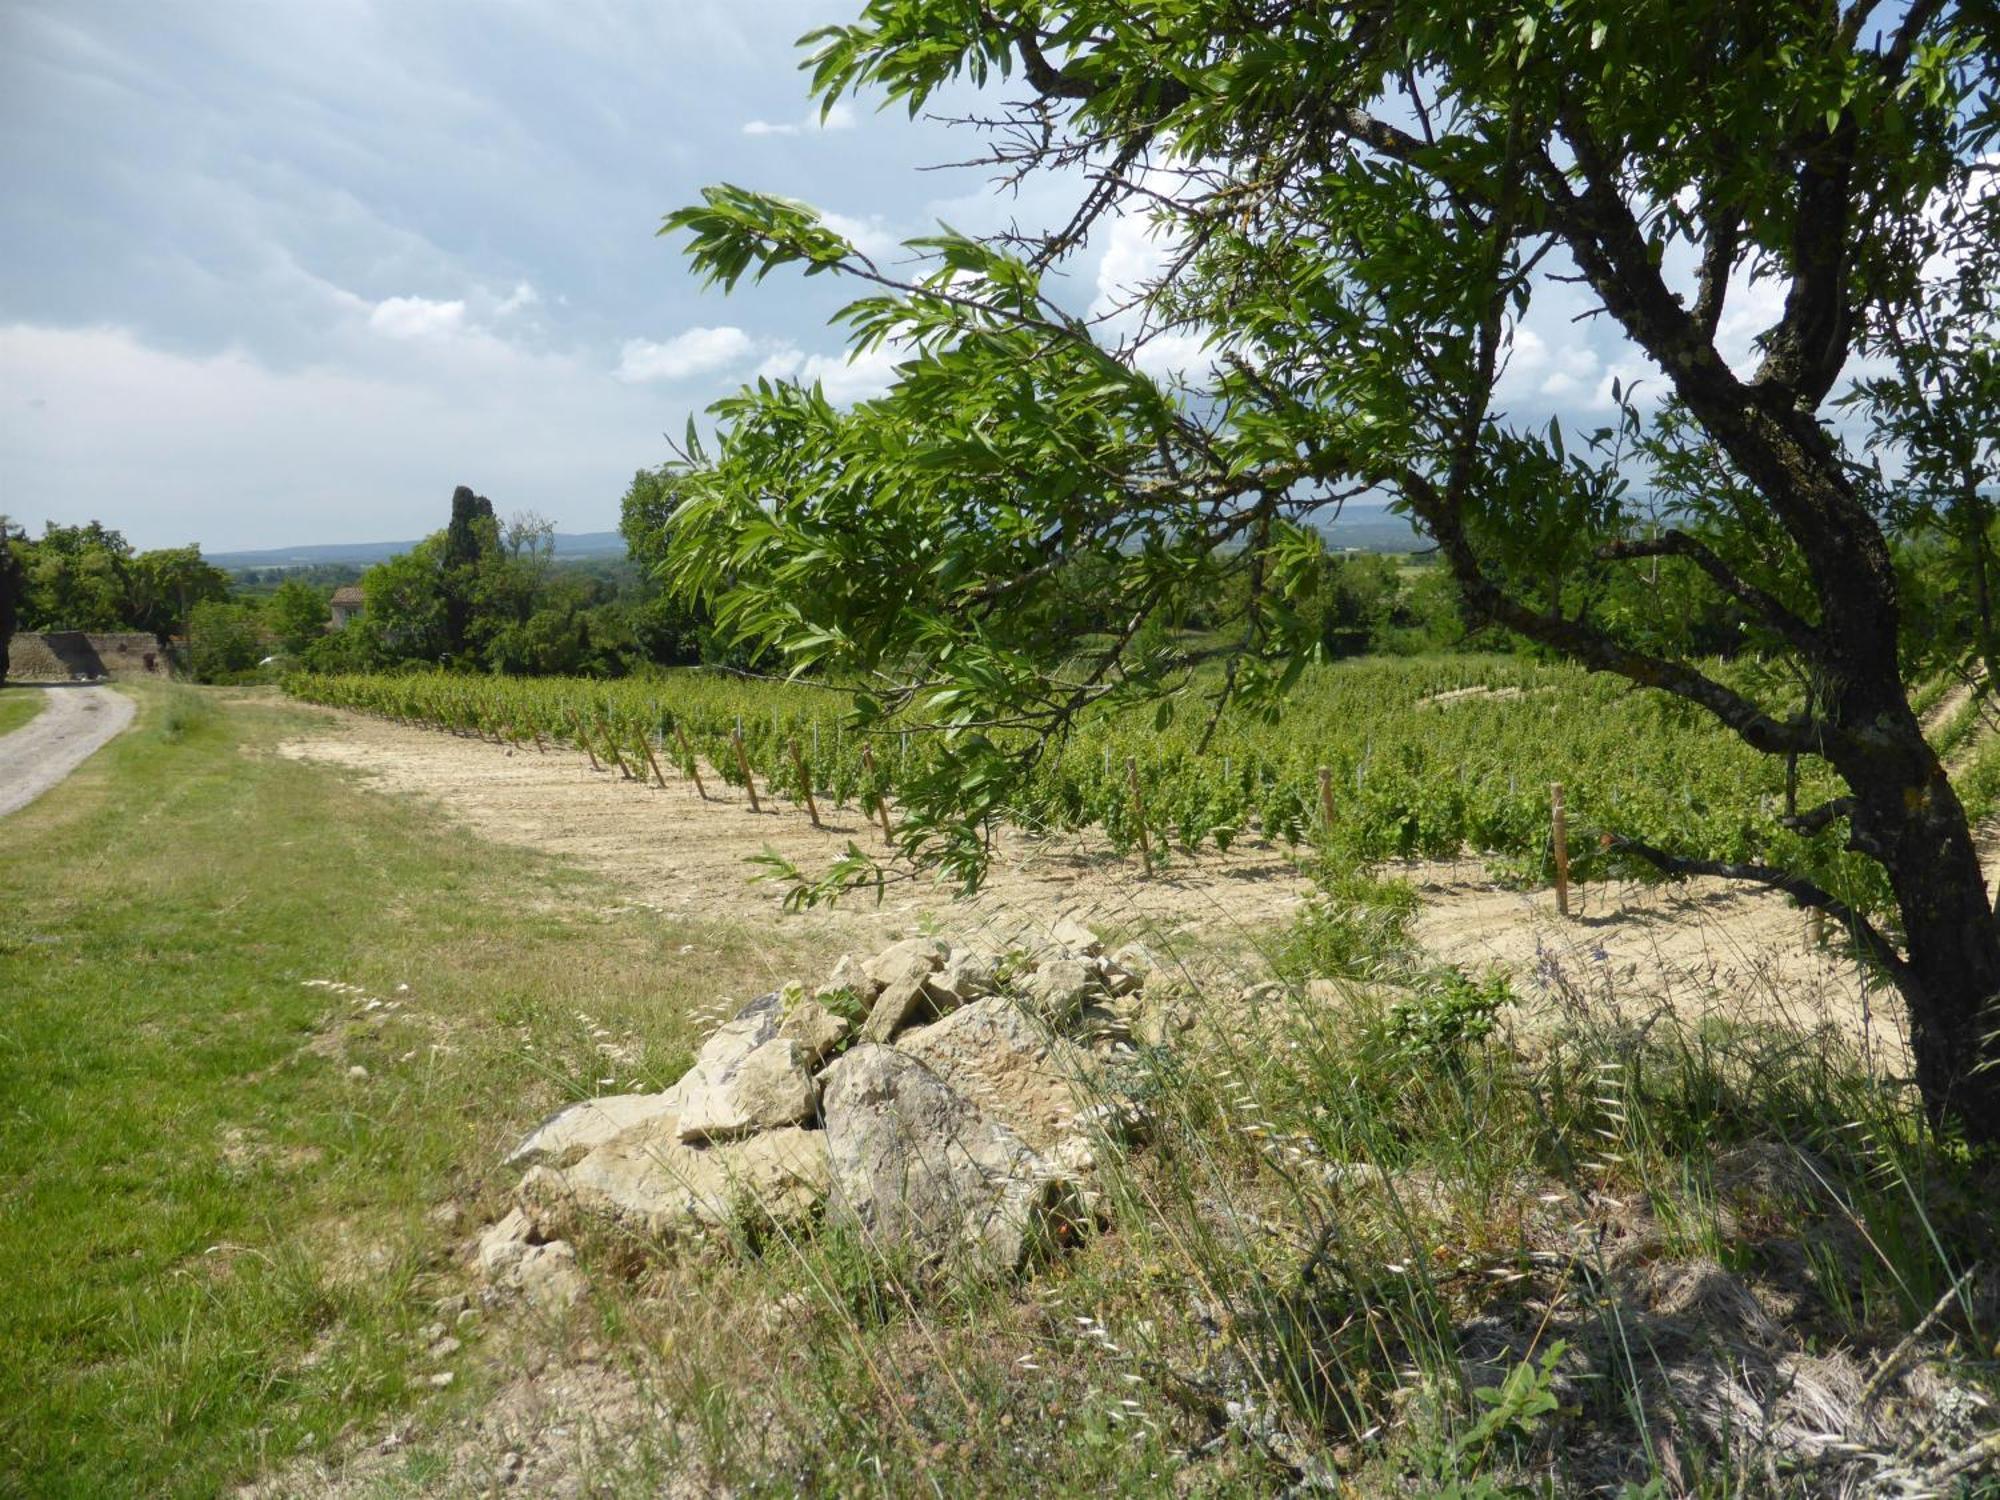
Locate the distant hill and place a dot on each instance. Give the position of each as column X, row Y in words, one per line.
column 1368, row 529
column 362, row 554
column 1372, row 529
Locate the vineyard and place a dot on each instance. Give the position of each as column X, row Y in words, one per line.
column 1372, row 761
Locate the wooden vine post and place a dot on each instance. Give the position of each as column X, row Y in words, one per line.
column 646, row 744
column 611, row 749
column 1139, row 814
column 881, row 802
column 694, row 766
column 541, row 745
column 1559, row 830
column 805, row 783
column 1325, row 802
column 584, row 740
column 743, row 765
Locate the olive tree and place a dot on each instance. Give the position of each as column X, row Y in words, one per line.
column 1360, row 205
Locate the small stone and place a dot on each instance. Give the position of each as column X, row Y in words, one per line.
column 1077, row 938
column 442, row 1379
column 919, row 956
column 849, row 978
column 816, row 1029
column 357, row 1072
column 431, row 1333
column 548, row 1274
column 900, row 1003
column 445, row 1347
column 1056, row 989
column 447, row 1214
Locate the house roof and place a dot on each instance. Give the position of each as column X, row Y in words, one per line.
column 349, row 594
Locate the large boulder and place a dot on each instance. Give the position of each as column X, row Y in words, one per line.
column 651, row 1181
column 1010, row 1066
column 918, row 1166
column 584, row 1126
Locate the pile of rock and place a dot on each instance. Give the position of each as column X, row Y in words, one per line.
column 940, row 1101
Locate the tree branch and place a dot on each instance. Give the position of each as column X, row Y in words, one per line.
column 1797, row 887
column 1593, row 647
column 1679, row 544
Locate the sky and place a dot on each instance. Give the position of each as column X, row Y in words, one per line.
column 288, row 274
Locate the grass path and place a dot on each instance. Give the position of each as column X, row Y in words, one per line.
column 220, row 1185
column 18, row 705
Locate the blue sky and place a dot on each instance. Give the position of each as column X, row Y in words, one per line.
column 288, row 273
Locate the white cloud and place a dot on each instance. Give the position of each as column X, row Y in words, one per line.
column 94, row 422
column 417, row 317
column 840, row 117
column 522, row 296
column 844, row 378
column 699, row 351
column 871, row 236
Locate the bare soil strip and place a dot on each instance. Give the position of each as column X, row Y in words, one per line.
column 72, row 726
column 1701, row 947
column 692, row 856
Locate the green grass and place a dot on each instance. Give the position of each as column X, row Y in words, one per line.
column 18, row 705
column 216, row 1243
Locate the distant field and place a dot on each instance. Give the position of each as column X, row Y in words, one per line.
column 17, row 706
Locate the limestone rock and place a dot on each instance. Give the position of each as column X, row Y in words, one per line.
column 548, row 1277
column 650, row 1181
column 1137, row 960
column 849, row 977
column 916, row 1164
column 901, row 1002
column 768, row 1087
column 503, row 1245
column 746, row 1077
column 1057, row 988
column 1008, row 1065
column 965, row 976
column 815, row 1029
column 588, row 1124
column 1076, row 938
column 918, row 955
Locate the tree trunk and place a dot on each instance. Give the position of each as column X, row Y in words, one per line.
column 1908, row 817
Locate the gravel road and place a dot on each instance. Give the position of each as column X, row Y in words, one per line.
column 71, row 726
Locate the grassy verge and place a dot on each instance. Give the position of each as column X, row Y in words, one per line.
column 18, row 705
column 231, row 1191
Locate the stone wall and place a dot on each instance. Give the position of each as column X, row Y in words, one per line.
column 61, row 655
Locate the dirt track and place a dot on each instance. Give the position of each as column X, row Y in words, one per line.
column 71, row 727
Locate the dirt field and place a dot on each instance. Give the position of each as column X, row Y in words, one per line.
column 1699, row 947
column 690, row 856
